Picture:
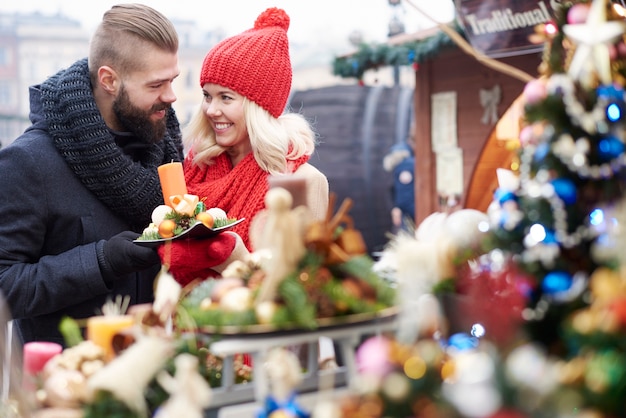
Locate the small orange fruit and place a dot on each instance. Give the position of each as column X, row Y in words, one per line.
column 206, row 218
column 166, row 228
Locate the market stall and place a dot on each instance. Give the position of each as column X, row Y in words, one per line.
column 517, row 311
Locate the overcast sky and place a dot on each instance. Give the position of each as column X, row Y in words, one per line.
column 322, row 20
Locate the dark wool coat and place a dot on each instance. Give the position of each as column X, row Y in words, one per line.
column 52, row 226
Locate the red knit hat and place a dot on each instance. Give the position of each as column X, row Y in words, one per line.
column 254, row 63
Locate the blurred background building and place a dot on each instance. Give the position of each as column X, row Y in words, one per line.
column 34, row 46
column 31, row 48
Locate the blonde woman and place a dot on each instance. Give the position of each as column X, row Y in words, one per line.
column 240, row 138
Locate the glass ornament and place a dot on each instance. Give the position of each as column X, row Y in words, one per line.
column 610, row 147
column 556, row 282
column 462, row 341
column 565, row 190
column 541, row 151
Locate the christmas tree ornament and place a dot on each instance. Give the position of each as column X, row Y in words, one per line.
column 535, row 91
column 578, row 13
column 592, row 38
column 565, row 189
column 610, row 148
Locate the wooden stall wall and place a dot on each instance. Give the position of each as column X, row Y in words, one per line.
column 357, row 126
column 454, row 70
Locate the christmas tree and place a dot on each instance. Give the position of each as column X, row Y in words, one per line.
column 541, row 308
column 558, row 221
column 560, row 227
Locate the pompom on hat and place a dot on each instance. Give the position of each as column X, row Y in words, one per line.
column 255, row 63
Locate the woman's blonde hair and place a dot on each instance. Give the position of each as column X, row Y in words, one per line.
column 273, row 140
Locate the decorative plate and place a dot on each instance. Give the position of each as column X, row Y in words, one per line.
column 384, row 315
column 198, row 230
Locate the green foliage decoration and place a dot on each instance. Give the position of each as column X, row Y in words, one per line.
column 374, row 56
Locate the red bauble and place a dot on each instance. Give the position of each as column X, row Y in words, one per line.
column 494, row 299
column 618, row 306
column 508, row 413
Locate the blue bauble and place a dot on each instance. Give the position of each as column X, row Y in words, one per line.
column 610, row 148
column 550, row 237
column 611, row 92
column 502, row 196
column 565, row 189
column 556, row 282
column 462, row 341
column 541, row 151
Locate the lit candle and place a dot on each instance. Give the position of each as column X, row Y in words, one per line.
column 172, row 180
column 101, row 330
column 37, row 353
column 296, row 185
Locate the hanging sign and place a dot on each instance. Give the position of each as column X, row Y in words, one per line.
column 500, row 28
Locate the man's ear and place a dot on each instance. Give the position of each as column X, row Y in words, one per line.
column 108, row 79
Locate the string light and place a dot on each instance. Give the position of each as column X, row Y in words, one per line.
column 550, row 29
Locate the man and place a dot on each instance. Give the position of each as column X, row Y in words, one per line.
column 400, row 161
column 81, row 182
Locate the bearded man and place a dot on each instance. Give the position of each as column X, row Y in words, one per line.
column 81, row 182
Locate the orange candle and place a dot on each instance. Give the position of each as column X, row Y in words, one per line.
column 102, row 329
column 172, row 180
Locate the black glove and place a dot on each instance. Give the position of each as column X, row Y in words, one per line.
column 120, row 256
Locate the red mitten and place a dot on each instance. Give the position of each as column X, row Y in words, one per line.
column 193, row 259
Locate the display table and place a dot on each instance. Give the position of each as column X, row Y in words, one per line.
column 345, row 337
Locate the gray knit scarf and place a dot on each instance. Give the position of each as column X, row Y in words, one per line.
column 131, row 189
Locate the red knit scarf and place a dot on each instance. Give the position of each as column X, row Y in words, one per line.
column 239, row 190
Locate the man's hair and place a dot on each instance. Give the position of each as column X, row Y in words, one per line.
column 125, row 30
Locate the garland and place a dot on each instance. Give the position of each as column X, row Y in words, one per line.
column 374, row 56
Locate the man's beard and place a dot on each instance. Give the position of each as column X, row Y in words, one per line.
column 137, row 121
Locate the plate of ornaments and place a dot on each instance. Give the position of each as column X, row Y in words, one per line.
column 187, row 219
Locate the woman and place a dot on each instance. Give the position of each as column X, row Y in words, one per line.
column 240, row 138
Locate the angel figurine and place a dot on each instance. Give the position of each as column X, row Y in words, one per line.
column 189, row 392
column 283, row 370
column 279, row 230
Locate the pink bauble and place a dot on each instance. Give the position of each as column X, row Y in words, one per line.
column 578, row 13
column 535, row 91
column 612, row 52
column 526, row 136
column 372, row 357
